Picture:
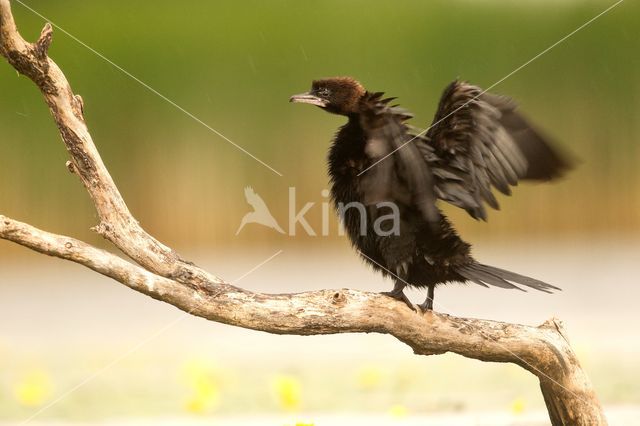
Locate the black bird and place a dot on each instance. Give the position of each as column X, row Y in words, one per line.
column 477, row 142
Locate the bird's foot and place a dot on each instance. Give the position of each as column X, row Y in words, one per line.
column 427, row 306
column 399, row 295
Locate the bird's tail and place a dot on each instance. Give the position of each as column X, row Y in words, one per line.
column 486, row 275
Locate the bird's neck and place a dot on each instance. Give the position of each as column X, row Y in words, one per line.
column 348, row 144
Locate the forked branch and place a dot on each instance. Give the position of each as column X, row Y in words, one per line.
column 164, row 275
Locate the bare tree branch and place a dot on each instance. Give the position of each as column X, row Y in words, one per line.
column 116, row 222
column 163, row 275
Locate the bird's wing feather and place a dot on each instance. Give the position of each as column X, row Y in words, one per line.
column 398, row 172
column 478, row 142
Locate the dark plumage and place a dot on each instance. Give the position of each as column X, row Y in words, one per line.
column 477, row 142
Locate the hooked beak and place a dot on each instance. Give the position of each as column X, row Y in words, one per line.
column 307, row 98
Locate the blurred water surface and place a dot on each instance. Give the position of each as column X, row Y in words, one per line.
column 69, row 323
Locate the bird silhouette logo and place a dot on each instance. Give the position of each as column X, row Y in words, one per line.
column 260, row 213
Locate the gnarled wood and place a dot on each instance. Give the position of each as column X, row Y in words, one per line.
column 163, row 275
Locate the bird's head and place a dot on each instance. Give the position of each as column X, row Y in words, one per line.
column 339, row 95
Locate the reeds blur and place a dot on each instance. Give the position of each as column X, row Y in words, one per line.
column 234, row 64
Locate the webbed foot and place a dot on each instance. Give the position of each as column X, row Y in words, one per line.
column 427, row 305
column 398, row 294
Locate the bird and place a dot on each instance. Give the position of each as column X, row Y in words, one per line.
column 477, row 143
column 260, row 213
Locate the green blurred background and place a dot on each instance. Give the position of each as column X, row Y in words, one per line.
column 234, row 65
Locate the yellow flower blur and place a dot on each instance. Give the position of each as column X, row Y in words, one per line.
column 398, row 411
column 33, row 389
column 287, row 391
column 202, row 381
column 518, row 406
column 369, row 377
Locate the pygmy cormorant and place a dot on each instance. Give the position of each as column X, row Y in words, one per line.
column 387, row 176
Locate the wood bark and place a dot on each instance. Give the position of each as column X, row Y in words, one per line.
column 159, row 272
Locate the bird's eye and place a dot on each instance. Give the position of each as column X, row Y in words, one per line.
column 323, row 92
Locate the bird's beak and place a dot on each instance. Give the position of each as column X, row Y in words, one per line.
column 307, row 98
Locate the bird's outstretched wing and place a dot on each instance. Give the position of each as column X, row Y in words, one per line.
column 397, row 171
column 478, row 142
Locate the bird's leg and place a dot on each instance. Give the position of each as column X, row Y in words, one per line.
column 398, row 294
column 428, row 302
